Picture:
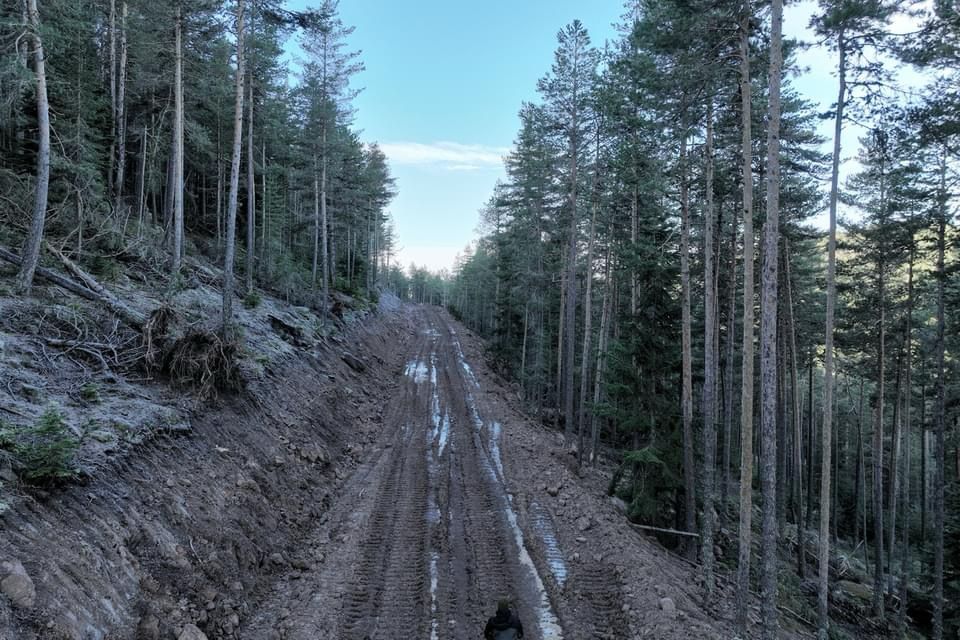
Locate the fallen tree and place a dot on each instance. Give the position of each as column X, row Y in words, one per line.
column 87, row 288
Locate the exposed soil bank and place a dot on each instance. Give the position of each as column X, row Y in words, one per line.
column 191, row 527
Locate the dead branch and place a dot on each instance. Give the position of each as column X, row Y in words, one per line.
column 90, row 289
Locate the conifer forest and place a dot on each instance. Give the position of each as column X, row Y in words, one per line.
column 696, row 375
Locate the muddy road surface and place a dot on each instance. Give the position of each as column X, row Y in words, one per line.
column 425, row 536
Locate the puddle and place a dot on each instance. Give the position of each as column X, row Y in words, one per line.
column 543, row 526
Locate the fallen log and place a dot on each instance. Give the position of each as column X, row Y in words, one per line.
column 90, row 289
column 646, row 527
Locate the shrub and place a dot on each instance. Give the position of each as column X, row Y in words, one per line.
column 252, row 300
column 90, row 392
column 44, row 453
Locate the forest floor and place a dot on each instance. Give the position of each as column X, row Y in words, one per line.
column 379, row 481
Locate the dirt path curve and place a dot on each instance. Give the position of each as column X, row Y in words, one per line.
column 425, row 536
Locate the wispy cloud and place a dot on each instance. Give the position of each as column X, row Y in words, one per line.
column 447, row 155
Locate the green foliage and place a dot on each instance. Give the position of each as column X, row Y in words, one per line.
column 90, row 392
column 44, row 452
column 252, row 300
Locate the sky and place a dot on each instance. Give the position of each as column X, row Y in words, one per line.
column 444, row 81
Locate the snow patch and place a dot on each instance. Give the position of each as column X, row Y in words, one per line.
column 417, row 371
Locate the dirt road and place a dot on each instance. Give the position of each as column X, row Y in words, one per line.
column 426, row 537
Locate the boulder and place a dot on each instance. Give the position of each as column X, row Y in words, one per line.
column 353, row 362
column 191, row 632
column 668, row 607
column 16, row 585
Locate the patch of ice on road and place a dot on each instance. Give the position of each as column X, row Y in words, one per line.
column 434, row 579
column 444, row 433
column 543, row 525
column 416, row 370
column 467, row 370
column 549, row 625
column 495, row 446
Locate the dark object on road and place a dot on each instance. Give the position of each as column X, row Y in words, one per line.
column 505, row 625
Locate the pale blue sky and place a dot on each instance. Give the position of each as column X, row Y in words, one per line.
column 444, row 82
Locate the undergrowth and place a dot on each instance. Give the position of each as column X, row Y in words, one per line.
column 42, row 453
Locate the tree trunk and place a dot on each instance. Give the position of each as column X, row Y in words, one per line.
column 324, row 244
column 31, row 247
column 112, row 38
column 587, row 338
column 141, row 187
column 939, row 458
column 905, row 501
column 601, row 357
column 251, row 190
column 569, row 316
column 725, row 480
column 878, row 582
column 795, row 411
column 316, row 228
column 893, row 487
column 746, row 370
column 768, row 340
column 709, row 369
column 823, row 620
column 178, row 147
column 686, row 388
column 121, row 124
column 231, row 232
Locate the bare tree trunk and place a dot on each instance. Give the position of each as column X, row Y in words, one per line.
column 858, row 481
column 725, row 480
column 894, row 484
column 112, row 38
column 768, row 339
column 908, row 407
column 878, row 582
column 251, row 190
column 939, row 454
column 231, row 232
column 746, row 393
column 709, row 369
column 30, row 255
column 264, row 248
column 823, row 620
column 141, row 197
column 686, row 388
column 587, row 338
column 121, row 124
column 324, row 243
column 795, row 410
column 569, row 316
column 316, row 228
column 601, row 357
column 588, row 301
column 925, row 491
column 178, row 148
